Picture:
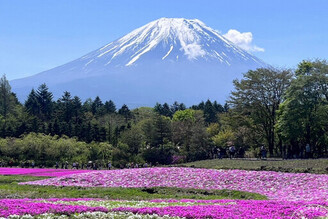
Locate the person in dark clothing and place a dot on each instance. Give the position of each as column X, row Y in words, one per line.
column 232, row 151
column 263, row 152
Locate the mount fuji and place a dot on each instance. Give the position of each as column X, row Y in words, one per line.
column 166, row 60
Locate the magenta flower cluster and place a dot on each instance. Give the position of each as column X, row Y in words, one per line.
column 34, row 207
column 274, row 185
column 232, row 209
column 39, row 172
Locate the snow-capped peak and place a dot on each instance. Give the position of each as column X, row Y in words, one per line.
column 166, row 60
column 173, row 39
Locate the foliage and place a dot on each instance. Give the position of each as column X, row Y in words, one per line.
column 275, row 108
column 303, row 117
column 47, row 150
column 258, row 95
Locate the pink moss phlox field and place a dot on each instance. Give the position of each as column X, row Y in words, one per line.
column 39, row 172
column 239, row 209
column 67, row 199
column 218, row 201
column 274, row 185
column 29, row 206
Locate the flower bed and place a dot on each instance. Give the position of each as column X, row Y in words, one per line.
column 98, row 208
column 274, row 185
column 35, row 207
column 241, row 209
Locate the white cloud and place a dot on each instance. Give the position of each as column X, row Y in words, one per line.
column 193, row 50
column 243, row 40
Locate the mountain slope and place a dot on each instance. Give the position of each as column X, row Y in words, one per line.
column 166, row 60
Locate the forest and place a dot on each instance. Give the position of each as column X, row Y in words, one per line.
column 282, row 110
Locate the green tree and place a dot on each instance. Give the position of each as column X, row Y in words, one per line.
column 97, row 107
column 303, row 116
column 209, row 113
column 125, row 111
column 133, row 138
column 45, row 103
column 110, row 107
column 32, row 104
column 189, row 134
column 65, row 107
column 7, row 101
column 259, row 95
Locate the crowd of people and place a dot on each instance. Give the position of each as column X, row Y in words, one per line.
column 229, row 152
column 304, row 152
column 91, row 165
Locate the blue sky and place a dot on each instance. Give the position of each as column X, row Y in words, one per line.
column 37, row 35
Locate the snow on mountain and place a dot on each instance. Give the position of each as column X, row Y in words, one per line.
column 165, row 60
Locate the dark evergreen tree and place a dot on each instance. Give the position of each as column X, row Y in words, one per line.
column 6, row 98
column 218, row 107
column 35, row 125
column 95, row 133
column 76, row 110
column 45, row 103
column 125, row 111
column 88, row 133
column 175, row 107
column 96, row 106
column 209, row 113
column 22, row 129
column 56, row 128
column 32, row 104
column 182, row 106
column 65, row 107
column 226, row 107
column 110, row 107
column 158, row 108
column 166, row 110
column 102, row 134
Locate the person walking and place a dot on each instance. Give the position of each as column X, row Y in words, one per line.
column 263, row 152
column 219, row 153
column 307, row 151
column 232, row 151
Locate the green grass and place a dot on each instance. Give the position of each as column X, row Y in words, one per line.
column 319, row 166
column 9, row 188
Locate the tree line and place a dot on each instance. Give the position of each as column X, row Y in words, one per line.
column 281, row 109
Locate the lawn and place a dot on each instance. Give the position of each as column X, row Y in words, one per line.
column 9, row 188
column 319, row 166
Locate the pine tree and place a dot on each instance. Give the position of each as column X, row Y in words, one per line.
column 209, row 113
column 32, row 104
column 44, row 98
column 125, row 111
column 218, row 107
column 158, row 108
column 6, row 97
column 166, row 111
column 110, row 107
column 76, row 110
column 96, row 106
column 66, row 107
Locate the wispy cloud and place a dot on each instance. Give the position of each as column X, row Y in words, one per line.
column 193, row 50
column 243, row 40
